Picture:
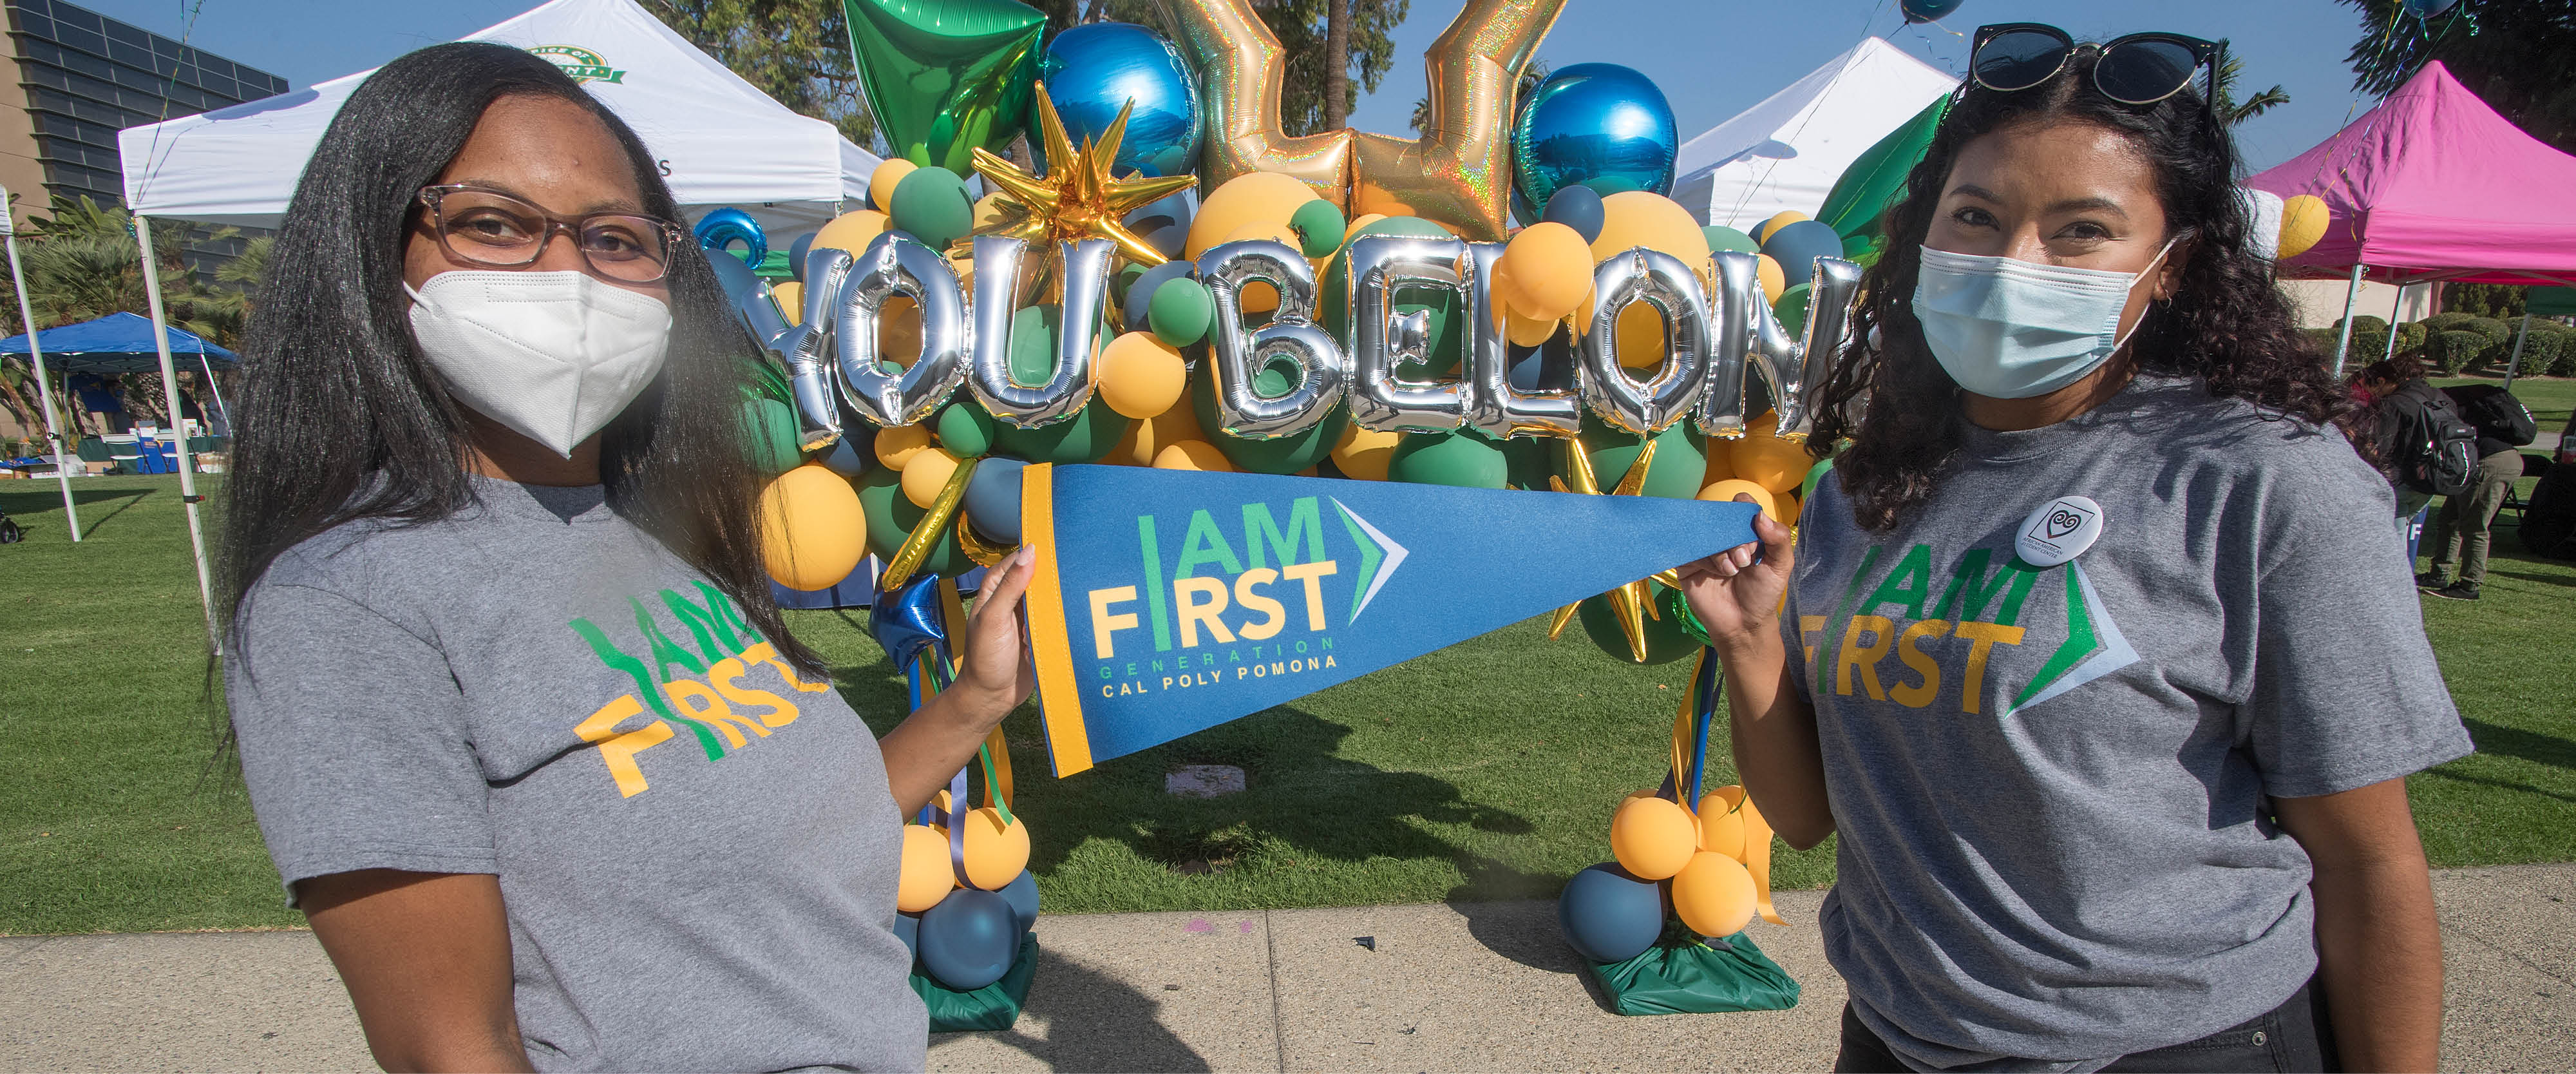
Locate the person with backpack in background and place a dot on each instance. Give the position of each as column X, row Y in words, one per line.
column 2463, row 529
column 2411, row 422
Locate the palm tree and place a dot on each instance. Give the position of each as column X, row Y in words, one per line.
column 2233, row 111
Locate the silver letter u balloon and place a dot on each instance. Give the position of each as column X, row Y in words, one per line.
column 1085, row 272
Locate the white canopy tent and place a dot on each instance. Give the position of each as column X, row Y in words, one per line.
column 721, row 142
column 1785, row 153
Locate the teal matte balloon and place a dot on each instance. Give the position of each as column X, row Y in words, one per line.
column 1448, row 459
column 1666, row 641
column 769, row 430
column 1181, row 311
column 1608, row 915
column 891, row 517
column 1085, row 437
column 1679, row 460
column 933, row 205
column 964, row 428
column 1724, row 239
column 1319, row 225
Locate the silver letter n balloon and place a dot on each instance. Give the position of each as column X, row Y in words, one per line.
column 1790, row 369
column 1292, row 335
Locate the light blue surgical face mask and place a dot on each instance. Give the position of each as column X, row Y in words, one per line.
column 2010, row 329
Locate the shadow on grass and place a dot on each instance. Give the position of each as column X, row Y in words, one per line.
column 31, row 506
column 1094, row 1022
column 2502, row 741
column 2499, row 784
column 2532, row 576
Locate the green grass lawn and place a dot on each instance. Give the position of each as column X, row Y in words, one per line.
column 1488, row 770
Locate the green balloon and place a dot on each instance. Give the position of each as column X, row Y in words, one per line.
column 1666, row 641
column 1085, row 437
column 1319, row 226
column 964, row 428
column 769, row 433
column 1725, row 239
column 1679, row 462
column 933, row 205
column 1815, row 474
column 891, row 517
column 1181, row 311
column 1792, row 308
column 944, row 77
column 1284, row 455
column 1033, row 331
column 1459, row 459
column 1528, row 460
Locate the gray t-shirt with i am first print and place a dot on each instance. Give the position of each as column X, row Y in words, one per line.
column 695, row 844
column 2050, row 784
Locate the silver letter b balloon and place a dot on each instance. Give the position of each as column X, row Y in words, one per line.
column 1240, row 354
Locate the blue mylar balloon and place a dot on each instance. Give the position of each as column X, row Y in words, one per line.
column 720, row 229
column 969, row 939
column 993, row 499
column 1606, row 914
column 906, row 621
column 1022, row 894
column 1930, row 10
column 1093, row 71
column 1598, row 124
column 907, row 927
column 796, row 252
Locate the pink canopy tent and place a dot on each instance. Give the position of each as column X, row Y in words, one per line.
column 2434, row 185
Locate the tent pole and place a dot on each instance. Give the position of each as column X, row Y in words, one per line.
column 44, row 389
column 2343, row 340
column 188, row 497
column 2396, row 308
column 215, row 390
column 2515, row 362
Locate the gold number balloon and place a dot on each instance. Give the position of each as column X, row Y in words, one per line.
column 1459, row 172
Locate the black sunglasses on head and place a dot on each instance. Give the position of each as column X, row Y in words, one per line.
column 2134, row 68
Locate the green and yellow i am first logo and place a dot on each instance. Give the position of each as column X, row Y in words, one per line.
column 581, row 63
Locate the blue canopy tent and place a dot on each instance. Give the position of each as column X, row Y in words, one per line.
column 122, row 343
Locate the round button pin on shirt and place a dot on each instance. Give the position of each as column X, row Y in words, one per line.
column 2058, row 531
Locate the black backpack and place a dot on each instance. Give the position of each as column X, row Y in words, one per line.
column 2495, row 412
column 2437, row 452
column 9, row 531
column 2549, row 519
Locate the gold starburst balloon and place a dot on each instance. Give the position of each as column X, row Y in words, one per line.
column 1630, row 601
column 1078, row 198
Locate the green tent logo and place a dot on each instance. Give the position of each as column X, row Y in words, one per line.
column 581, row 63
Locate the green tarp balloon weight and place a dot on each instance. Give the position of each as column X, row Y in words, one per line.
column 946, row 76
column 994, row 1006
column 1680, row 975
column 1860, row 198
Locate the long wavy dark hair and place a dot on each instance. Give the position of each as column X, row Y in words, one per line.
column 340, row 420
column 2226, row 322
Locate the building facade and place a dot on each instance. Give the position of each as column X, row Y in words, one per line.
column 81, row 77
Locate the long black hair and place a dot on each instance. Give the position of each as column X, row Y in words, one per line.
column 2226, row 322
column 341, row 420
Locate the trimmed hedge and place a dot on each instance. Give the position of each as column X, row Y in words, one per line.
column 2452, row 351
column 2540, row 353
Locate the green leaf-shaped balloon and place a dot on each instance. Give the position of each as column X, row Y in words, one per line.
column 946, row 76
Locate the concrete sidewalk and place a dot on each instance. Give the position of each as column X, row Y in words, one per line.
column 1479, row 986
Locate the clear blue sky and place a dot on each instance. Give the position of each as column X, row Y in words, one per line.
column 1713, row 58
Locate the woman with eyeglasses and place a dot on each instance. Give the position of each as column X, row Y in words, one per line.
column 528, row 739
column 2092, row 652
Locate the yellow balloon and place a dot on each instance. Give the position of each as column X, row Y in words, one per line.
column 1524, row 332
column 2303, row 221
column 1365, row 453
column 1653, row 838
column 995, row 852
column 1762, row 231
column 1357, row 222
column 926, row 473
column 1148, row 437
column 791, row 300
column 1790, row 506
column 1714, row 894
column 1721, row 829
column 1766, row 460
column 1258, row 295
column 896, row 446
column 852, row 231
column 812, row 530
column 1140, row 375
column 881, row 183
column 1253, row 197
column 1193, row 455
column 1545, row 273
column 1640, row 335
column 1720, row 467
column 1774, row 281
column 926, row 875
column 1635, row 218
column 1725, row 491
column 899, row 330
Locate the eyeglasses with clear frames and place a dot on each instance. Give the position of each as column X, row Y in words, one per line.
column 495, row 230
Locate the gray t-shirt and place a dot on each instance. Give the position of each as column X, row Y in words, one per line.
column 695, row 844
column 2050, row 783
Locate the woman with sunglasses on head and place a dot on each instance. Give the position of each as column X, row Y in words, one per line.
column 2092, row 650
column 528, row 739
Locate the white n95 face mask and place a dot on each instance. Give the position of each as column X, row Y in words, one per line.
column 554, row 356
column 2011, row 329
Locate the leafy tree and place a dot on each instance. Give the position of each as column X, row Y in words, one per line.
column 796, row 51
column 2235, row 111
column 2497, row 300
column 2514, row 54
column 1301, row 26
column 81, row 264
